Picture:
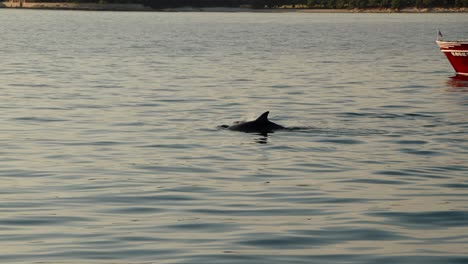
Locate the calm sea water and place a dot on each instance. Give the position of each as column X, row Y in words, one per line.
column 111, row 151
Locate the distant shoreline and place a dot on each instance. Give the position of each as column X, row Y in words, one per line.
column 140, row 7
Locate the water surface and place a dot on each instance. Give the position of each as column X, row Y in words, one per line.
column 111, row 151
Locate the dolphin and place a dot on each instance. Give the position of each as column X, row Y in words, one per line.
column 260, row 125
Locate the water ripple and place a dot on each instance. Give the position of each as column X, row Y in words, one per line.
column 422, row 220
column 40, row 221
column 110, row 151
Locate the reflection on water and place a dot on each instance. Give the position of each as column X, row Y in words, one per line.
column 458, row 83
column 263, row 139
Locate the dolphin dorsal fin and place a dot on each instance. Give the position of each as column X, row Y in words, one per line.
column 263, row 117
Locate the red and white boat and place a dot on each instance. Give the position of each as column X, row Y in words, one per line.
column 456, row 52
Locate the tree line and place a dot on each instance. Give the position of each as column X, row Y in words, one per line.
column 324, row 4
column 395, row 4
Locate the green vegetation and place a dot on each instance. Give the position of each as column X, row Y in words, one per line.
column 331, row 4
column 395, row 4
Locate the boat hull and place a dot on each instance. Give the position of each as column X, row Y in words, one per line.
column 457, row 54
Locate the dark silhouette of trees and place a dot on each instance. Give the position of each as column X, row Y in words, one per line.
column 332, row 4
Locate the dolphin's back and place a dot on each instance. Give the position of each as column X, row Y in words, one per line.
column 259, row 125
